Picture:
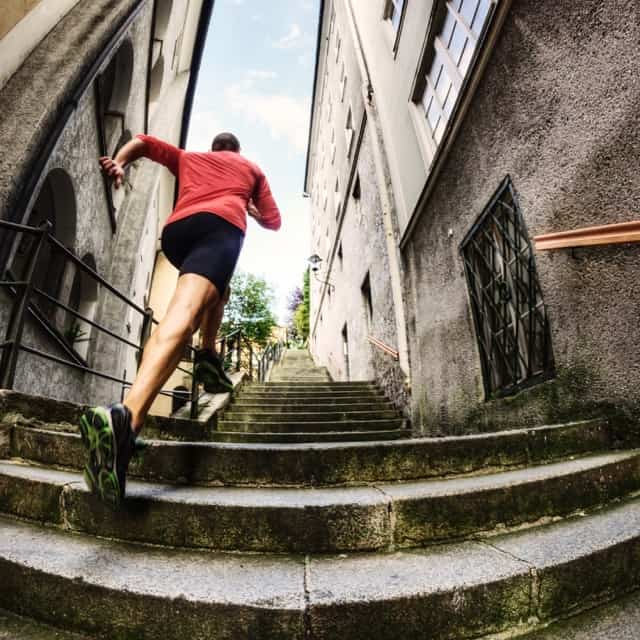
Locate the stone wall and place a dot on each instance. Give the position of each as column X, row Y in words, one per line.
column 558, row 109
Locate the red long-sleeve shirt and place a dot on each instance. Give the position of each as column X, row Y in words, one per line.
column 220, row 182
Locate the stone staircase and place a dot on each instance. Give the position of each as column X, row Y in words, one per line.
column 306, row 513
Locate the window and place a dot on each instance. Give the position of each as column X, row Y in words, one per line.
column 366, row 298
column 338, row 43
column 393, row 12
column 506, row 300
column 356, row 188
column 336, row 198
column 114, row 87
column 333, row 145
column 340, row 256
column 348, row 132
column 458, row 26
column 343, row 83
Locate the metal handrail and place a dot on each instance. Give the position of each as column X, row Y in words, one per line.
column 384, row 347
column 617, row 233
column 25, row 290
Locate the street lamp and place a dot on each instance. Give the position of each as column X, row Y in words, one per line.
column 314, row 263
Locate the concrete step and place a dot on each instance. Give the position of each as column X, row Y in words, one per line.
column 306, row 386
column 309, row 426
column 241, row 413
column 309, row 437
column 311, row 396
column 619, row 620
column 311, row 379
column 13, row 627
column 338, row 519
column 283, row 406
column 327, row 463
column 461, row 590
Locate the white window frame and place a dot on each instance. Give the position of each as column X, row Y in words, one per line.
column 394, row 31
column 430, row 138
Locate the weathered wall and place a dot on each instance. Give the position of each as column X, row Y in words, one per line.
column 13, row 11
column 558, row 109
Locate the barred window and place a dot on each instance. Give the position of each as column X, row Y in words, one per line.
column 506, row 299
column 458, row 27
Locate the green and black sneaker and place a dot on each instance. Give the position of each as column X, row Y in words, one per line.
column 208, row 369
column 110, row 442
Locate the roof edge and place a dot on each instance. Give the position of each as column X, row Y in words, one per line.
column 315, row 88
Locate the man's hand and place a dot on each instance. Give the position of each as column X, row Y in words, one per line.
column 252, row 210
column 113, row 170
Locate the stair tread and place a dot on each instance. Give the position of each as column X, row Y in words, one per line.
column 293, row 497
column 14, row 627
column 278, row 582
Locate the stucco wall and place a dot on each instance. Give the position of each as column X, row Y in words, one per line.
column 558, row 109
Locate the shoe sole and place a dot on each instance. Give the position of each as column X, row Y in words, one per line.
column 98, row 438
column 210, row 377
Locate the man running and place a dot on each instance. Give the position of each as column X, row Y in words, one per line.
column 202, row 238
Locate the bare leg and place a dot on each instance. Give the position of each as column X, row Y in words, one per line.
column 211, row 321
column 165, row 347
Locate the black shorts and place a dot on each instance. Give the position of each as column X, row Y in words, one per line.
column 203, row 243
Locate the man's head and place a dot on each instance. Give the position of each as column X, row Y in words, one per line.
column 225, row 142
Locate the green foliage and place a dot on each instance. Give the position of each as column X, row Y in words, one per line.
column 249, row 308
column 301, row 315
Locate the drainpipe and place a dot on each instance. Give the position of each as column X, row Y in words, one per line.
column 386, row 197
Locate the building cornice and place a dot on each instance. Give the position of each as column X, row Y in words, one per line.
column 196, row 61
column 313, row 95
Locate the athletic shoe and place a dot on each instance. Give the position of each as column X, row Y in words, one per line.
column 110, row 443
column 208, row 369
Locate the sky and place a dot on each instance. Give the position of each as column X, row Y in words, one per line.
column 256, row 81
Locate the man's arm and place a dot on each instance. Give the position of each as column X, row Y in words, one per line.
column 130, row 152
column 141, row 146
column 263, row 207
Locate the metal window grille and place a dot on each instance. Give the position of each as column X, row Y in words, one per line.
column 508, row 310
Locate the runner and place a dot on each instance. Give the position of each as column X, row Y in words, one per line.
column 202, row 238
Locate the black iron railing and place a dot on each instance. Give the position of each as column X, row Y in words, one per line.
column 235, row 349
column 270, row 356
column 31, row 300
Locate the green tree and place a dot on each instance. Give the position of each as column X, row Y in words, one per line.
column 250, row 308
column 301, row 315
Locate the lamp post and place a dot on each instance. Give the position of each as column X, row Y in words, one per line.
column 314, row 263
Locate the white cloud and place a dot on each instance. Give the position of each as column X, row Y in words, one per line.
column 260, row 74
column 290, row 40
column 287, row 117
column 307, row 4
column 238, row 2
column 204, row 125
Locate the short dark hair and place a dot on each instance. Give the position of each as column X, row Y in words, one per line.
column 225, row 142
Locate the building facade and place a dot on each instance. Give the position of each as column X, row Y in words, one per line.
column 484, row 124
column 78, row 80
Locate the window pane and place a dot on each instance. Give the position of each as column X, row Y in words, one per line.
column 433, row 115
column 466, row 57
column 439, row 130
column 481, row 16
column 457, row 43
column 447, row 28
column 427, row 98
column 450, row 102
column 443, row 86
column 436, row 69
column 468, row 10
